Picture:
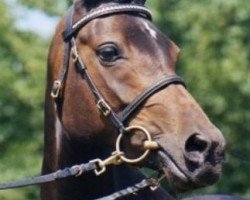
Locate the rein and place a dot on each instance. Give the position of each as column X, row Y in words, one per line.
column 75, row 170
column 81, row 169
column 118, row 120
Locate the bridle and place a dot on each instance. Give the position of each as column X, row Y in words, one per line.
column 118, row 120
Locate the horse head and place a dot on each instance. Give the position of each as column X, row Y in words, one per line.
column 125, row 55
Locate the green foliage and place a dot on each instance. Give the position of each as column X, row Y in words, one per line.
column 214, row 36
column 48, row 6
column 22, row 80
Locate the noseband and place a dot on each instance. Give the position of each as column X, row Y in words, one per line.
column 118, row 120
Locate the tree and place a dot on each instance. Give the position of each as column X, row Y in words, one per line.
column 215, row 37
column 22, row 80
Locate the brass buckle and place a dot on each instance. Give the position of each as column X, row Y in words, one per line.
column 157, row 183
column 103, row 107
column 74, row 54
column 56, row 89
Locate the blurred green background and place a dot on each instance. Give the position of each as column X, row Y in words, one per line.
column 214, row 37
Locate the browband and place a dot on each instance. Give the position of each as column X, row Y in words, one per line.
column 99, row 12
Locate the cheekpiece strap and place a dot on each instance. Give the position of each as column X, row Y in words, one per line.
column 57, row 85
column 99, row 12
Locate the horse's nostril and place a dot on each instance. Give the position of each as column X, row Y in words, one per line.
column 197, row 143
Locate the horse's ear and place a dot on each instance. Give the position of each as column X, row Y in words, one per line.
column 139, row 2
column 174, row 52
column 93, row 3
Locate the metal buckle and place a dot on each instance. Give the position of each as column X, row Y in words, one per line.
column 103, row 107
column 74, row 53
column 157, row 183
column 56, row 89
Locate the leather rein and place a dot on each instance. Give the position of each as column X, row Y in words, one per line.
column 118, row 120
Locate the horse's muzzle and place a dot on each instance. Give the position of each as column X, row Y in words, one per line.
column 186, row 172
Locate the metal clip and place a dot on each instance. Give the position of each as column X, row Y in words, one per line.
column 154, row 187
column 114, row 159
column 56, row 89
column 103, row 107
column 74, row 54
column 102, row 167
column 157, row 183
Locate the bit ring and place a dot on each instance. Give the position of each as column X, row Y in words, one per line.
column 146, row 152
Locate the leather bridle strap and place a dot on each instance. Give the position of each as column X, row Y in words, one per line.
column 139, row 100
column 99, row 12
column 100, row 101
column 73, row 171
column 71, row 29
column 132, row 190
column 57, row 85
column 118, row 121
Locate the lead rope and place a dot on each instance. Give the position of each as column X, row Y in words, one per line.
column 150, row 183
column 75, row 170
column 98, row 166
column 81, row 169
column 132, row 190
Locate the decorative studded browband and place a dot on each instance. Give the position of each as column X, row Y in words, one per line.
column 99, row 12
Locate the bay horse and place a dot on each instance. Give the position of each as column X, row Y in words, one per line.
column 111, row 56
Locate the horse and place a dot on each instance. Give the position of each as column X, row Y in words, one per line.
column 112, row 87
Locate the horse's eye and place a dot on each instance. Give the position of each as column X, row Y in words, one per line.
column 108, row 53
